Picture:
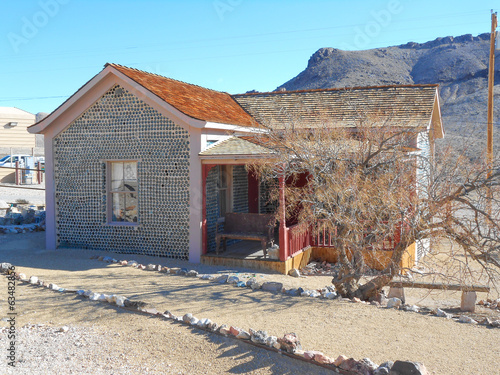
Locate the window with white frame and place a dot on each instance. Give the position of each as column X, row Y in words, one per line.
column 122, row 192
column 225, row 189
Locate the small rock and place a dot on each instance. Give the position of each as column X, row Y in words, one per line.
column 220, row 279
column 204, row 323
column 272, row 342
column 412, row 308
column 233, row 280
column 63, row 329
column 300, row 353
column 192, row 273
column 289, row 342
column 384, row 368
column 132, row 263
column 187, row 318
column 393, row 303
column 243, row 335
column 315, row 294
column 94, row 296
column 123, row 263
column 241, row 284
column 206, row 277
column 174, row 270
column 408, row 368
column 356, row 300
column 495, row 324
column 194, row 321
column 224, row 330
column 440, row 313
column 466, row 319
column 151, row 267
column 120, row 301
column 212, row 326
column 251, row 281
column 271, row 286
column 294, row 272
column 321, row 358
column 309, row 354
column 330, row 295
column 234, row 330
column 33, row 280
column 340, row 359
column 182, row 272
column 292, row 292
column 259, row 337
column 255, row 286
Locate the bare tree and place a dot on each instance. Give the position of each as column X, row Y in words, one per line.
column 371, row 186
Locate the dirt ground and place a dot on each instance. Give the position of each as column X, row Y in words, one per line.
column 334, row 327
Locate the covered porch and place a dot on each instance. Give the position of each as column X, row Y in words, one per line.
column 230, row 186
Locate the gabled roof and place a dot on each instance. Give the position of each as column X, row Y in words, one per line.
column 406, row 106
column 236, row 146
column 195, row 101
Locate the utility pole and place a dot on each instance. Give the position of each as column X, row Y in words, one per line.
column 491, row 81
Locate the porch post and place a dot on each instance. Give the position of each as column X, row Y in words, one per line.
column 204, row 173
column 283, row 229
column 204, row 231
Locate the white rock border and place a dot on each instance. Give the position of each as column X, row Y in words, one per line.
column 327, row 293
column 288, row 345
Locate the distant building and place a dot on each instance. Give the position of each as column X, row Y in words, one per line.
column 14, row 136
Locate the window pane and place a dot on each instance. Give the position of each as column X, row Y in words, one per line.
column 130, row 176
column 118, row 207
column 130, row 207
column 116, row 176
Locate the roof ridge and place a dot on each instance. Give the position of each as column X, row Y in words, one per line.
column 159, row 75
column 337, row 89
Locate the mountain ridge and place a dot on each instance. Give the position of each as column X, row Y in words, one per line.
column 458, row 64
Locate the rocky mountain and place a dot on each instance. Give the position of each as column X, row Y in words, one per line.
column 458, row 64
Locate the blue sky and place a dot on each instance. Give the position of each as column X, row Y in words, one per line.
column 50, row 48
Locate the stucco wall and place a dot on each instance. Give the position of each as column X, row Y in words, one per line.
column 120, row 126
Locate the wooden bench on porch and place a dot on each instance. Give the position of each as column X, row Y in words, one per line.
column 245, row 226
column 468, row 301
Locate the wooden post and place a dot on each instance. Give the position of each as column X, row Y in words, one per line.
column 491, row 81
column 283, row 229
column 38, row 172
column 18, row 172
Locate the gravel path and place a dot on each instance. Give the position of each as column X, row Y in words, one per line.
column 333, row 327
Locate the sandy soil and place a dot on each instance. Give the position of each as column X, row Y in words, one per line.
column 333, row 327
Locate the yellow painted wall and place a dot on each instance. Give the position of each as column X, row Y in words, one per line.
column 18, row 135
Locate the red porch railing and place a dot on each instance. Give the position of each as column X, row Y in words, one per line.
column 299, row 238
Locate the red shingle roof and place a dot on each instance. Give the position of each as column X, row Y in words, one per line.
column 194, row 101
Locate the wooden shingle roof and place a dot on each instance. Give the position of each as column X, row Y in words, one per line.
column 194, row 101
column 408, row 106
column 233, row 146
